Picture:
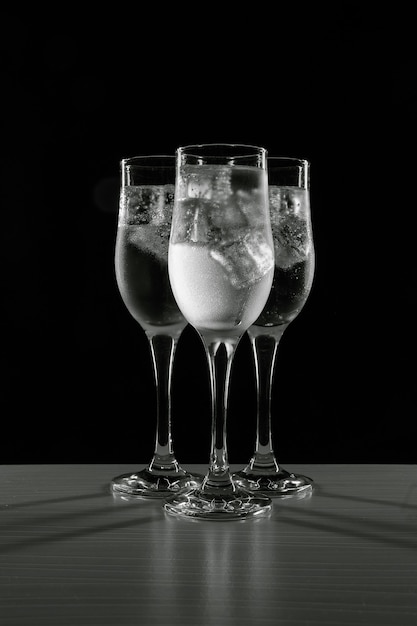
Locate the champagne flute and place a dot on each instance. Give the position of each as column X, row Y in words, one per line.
column 220, row 264
column 141, row 264
column 289, row 202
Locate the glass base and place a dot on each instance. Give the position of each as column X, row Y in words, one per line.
column 223, row 506
column 274, row 483
column 152, row 484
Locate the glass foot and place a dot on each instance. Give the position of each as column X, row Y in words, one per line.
column 274, row 483
column 152, row 484
column 237, row 505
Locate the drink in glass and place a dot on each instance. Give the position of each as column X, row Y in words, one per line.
column 141, row 264
column 220, row 264
column 289, row 203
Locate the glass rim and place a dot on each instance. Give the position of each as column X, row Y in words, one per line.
column 244, row 154
column 293, row 170
column 288, row 161
column 146, row 160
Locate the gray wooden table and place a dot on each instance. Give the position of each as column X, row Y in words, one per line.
column 70, row 554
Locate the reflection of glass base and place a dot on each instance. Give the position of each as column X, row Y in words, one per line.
column 274, row 483
column 152, row 484
column 222, row 506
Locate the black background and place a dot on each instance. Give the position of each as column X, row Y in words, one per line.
column 334, row 85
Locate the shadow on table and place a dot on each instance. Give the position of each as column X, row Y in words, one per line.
column 395, row 533
column 406, row 504
column 400, row 532
column 48, row 519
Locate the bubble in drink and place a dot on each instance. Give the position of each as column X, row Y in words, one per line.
column 151, row 208
column 220, row 236
column 142, row 255
column 294, row 255
column 215, row 186
column 207, row 297
column 146, row 204
column 290, row 223
column 224, row 209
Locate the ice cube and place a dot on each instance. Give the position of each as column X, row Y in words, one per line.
column 192, row 223
column 222, row 184
column 226, row 218
column 147, row 213
column 252, row 207
column 244, row 261
column 151, row 239
column 145, row 204
column 212, row 182
column 291, row 240
column 199, row 188
column 194, row 182
column 161, row 204
column 287, row 201
column 203, row 220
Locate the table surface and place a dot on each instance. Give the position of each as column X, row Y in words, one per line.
column 71, row 554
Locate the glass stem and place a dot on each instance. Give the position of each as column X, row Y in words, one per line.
column 264, row 346
column 220, row 355
column 163, row 350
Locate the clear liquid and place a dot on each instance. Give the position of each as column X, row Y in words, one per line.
column 294, row 255
column 220, row 255
column 141, row 257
